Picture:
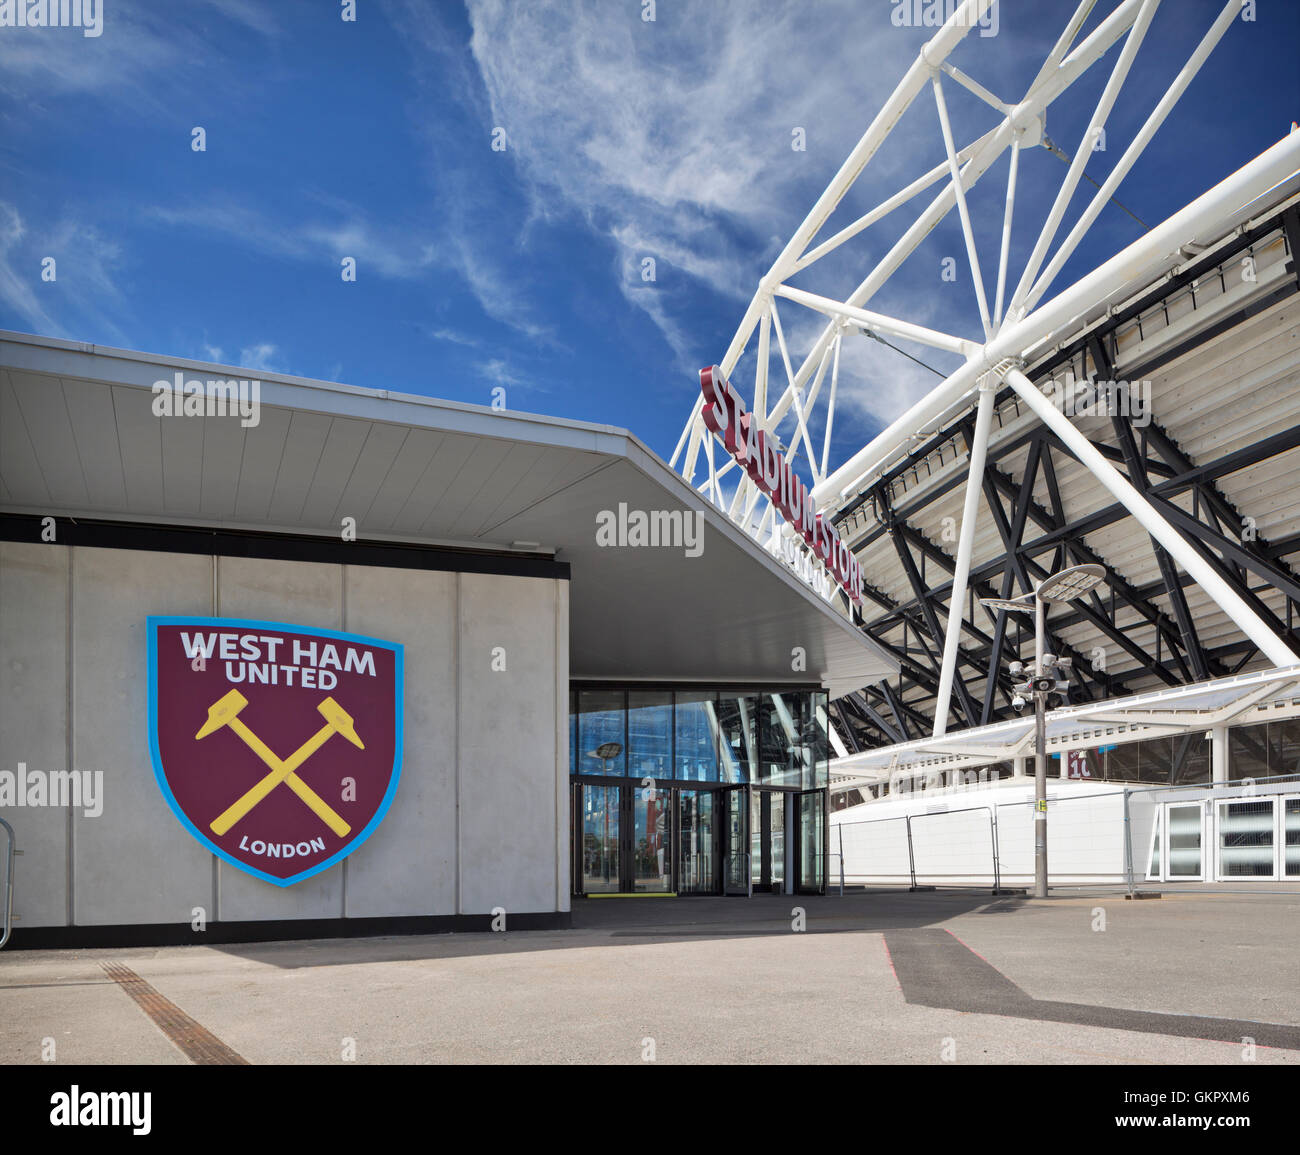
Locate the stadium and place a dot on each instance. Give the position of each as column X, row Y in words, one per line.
column 1139, row 427
column 574, row 670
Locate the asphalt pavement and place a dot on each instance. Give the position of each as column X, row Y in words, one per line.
column 874, row 977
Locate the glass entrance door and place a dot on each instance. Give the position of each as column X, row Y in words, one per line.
column 767, row 841
column 652, row 868
column 697, row 842
column 811, row 817
column 736, row 844
column 599, row 854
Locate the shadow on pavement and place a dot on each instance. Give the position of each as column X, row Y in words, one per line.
column 625, row 921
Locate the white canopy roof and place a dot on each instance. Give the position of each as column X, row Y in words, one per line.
column 78, row 437
column 1245, row 698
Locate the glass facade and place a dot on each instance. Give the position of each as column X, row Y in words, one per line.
column 771, row 737
column 1182, row 760
column 1268, row 750
column 601, row 723
column 649, row 734
column 695, row 745
column 708, row 790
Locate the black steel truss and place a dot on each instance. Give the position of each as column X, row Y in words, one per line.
column 1036, row 539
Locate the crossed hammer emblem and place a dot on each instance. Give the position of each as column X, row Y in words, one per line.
column 225, row 712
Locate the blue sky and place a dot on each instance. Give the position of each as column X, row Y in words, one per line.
column 522, row 268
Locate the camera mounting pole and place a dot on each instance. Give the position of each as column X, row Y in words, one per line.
column 1047, row 679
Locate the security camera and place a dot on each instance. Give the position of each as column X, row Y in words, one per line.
column 1018, row 702
column 1017, row 668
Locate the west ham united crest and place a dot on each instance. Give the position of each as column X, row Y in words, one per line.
column 278, row 747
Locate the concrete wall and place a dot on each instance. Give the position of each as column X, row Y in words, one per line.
column 479, row 820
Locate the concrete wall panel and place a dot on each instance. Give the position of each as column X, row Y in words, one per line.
column 408, row 865
column 33, row 719
column 508, row 739
column 135, row 862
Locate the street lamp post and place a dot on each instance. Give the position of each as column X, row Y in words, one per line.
column 1064, row 586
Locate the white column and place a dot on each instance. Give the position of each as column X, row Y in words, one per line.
column 961, row 574
column 1018, row 767
column 1219, row 755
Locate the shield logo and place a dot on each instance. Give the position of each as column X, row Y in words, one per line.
column 277, row 746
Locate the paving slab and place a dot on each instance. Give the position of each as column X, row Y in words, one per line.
column 705, row 980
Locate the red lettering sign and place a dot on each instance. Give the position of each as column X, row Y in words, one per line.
column 726, row 417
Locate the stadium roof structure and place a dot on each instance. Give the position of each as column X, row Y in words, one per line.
column 1146, row 418
column 1188, row 711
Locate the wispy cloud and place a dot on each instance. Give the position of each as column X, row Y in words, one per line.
column 499, row 371
column 144, row 49
column 18, row 292
column 82, row 288
column 390, row 252
column 252, row 14
column 672, row 138
column 454, row 336
column 259, row 356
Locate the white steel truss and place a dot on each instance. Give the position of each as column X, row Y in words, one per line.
column 1010, row 328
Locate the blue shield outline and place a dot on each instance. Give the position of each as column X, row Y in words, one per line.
column 152, row 622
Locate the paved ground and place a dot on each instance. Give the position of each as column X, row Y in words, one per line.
column 883, row 977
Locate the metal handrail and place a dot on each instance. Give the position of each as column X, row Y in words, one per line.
column 9, row 883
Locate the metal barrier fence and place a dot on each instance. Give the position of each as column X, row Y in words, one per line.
column 1247, row 829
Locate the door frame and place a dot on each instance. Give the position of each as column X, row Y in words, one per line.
column 626, row 836
column 1279, row 836
column 577, row 831
column 795, row 860
column 739, row 793
column 1166, row 875
column 714, row 857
